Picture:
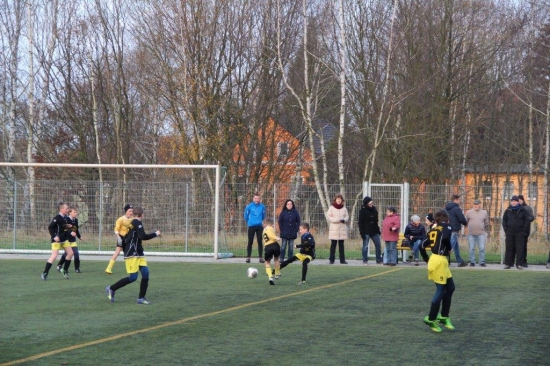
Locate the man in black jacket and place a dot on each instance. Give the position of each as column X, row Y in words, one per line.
column 456, row 219
column 516, row 227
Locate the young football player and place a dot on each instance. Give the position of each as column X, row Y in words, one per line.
column 59, row 230
column 134, row 258
column 272, row 250
column 121, row 229
column 74, row 233
column 307, row 251
column 439, row 240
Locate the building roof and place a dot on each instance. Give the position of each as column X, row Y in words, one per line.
column 503, row 169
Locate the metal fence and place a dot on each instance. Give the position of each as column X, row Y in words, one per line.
column 184, row 211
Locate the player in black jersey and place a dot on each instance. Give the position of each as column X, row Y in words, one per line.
column 75, row 233
column 134, row 258
column 307, row 251
column 439, row 240
column 60, row 230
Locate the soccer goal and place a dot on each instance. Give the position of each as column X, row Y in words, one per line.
column 182, row 201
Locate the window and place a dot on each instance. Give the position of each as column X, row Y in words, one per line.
column 533, row 190
column 282, row 148
column 487, row 189
column 508, row 190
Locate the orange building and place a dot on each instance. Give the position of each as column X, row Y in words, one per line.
column 283, row 156
column 495, row 186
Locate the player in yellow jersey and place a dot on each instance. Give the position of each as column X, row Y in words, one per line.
column 122, row 226
column 272, row 250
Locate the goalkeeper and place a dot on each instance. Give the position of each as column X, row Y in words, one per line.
column 307, row 251
column 122, row 226
column 439, row 240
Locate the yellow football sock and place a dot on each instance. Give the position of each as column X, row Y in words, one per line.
column 110, row 266
column 278, row 270
column 268, row 271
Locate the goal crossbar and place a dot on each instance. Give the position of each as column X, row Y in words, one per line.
column 141, row 166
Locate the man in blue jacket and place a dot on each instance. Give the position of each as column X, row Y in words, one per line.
column 456, row 219
column 254, row 215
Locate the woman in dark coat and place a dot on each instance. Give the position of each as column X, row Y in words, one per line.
column 289, row 223
column 369, row 229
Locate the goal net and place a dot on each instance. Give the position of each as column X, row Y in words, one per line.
column 182, row 201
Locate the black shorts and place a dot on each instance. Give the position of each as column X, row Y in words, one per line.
column 272, row 251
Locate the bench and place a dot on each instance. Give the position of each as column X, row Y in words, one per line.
column 404, row 249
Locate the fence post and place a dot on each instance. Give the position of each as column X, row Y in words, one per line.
column 274, row 200
column 186, row 214
column 100, row 221
column 14, row 212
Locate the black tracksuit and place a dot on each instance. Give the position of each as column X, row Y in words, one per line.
column 516, row 224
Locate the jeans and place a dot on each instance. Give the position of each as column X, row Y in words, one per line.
column 284, row 244
column 480, row 240
column 455, row 247
column 391, row 248
column 415, row 247
column 378, row 253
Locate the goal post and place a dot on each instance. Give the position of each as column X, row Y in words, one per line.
column 166, row 195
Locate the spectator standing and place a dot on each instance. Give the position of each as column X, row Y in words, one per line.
column 531, row 217
column 477, row 219
column 390, row 234
column 515, row 223
column 289, row 224
column 416, row 234
column 456, row 219
column 369, row 229
column 338, row 230
column 254, row 215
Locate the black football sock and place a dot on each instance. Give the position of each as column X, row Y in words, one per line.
column 67, row 265
column 304, row 269
column 143, row 287
column 121, row 283
column 48, row 266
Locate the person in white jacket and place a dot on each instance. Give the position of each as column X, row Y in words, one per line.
column 338, row 230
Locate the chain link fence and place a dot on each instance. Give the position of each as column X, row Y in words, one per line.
column 183, row 210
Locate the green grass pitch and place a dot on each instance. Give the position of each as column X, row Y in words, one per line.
column 212, row 314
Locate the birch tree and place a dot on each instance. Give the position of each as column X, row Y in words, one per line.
column 11, row 27
column 310, row 94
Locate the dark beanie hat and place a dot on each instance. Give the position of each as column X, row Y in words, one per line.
column 366, row 200
column 127, row 207
column 430, row 218
column 514, row 198
column 520, row 196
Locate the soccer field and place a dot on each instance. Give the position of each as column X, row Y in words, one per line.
column 212, row 314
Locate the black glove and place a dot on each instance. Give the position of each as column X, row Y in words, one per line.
column 342, row 221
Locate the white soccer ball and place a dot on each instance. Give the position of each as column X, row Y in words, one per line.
column 252, row 272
